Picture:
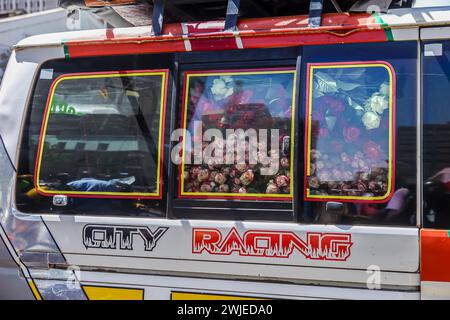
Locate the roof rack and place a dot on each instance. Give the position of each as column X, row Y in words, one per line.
column 232, row 13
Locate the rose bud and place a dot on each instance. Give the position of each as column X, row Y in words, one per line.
column 336, row 174
column 241, row 167
column 220, row 178
column 372, row 150
column 235, row 189
column 351, row 134
column 313, row 182
column 247, row 177
column 324, row 133
column 320, row 165
column 224, row 188
column 324, row 176
column 285, row 163
column 364, row 175
column 345, row 158
column 211, row 164
column 336, row 146
column 203, row 175
column 226, row 171
column 194, row 172
column 212, row 175
column 361, row 186
column 205, row 187
column 315, row 154
column 242, row 190
column 282, row 181
column 237, row 181
column 272, row 188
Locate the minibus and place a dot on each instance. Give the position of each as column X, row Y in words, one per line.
column 290, row 157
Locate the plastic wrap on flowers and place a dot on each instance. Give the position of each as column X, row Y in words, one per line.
column 231, row 103
column 349, row 134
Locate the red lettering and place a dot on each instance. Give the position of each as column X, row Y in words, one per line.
column 281, row 244
column 205, row 239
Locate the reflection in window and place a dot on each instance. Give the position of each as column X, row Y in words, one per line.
column 102, row 136
column 436, row 135
column 237, row 108
column 349, row 132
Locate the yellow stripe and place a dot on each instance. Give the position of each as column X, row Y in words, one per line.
column 201, row 296
column 35, row 291
column 185, row 106
column 110, row 293
column 310, row 94
column 94, row 76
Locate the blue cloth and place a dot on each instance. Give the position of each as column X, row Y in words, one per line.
column 90, row 184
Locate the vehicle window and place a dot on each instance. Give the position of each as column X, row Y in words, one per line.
column 239, row 129
column 101, row 136
column 93, row 140
column 360, row 134
column 349, row 132
column 436, row 135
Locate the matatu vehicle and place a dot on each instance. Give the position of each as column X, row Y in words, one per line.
column 294, row 153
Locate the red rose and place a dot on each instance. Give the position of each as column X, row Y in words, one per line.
column 351, row 134
column 317, row 115
column 324, row 133
column 282, row 181
column 330, row 103
column 372, row 150
column 199, row 87
column 336, row 146
column 245, row 97
column 337, row 106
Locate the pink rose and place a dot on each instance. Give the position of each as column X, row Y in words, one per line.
column 324, row 133
column 282, row 181
column 336, row 146
column 247, row 177
column 272, row 188
column 351, row 134
column 372, row 150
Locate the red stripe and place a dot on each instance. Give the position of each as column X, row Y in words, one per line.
column 255, row 33
column 435, row 255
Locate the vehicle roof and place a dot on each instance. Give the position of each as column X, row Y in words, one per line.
column 333, row 22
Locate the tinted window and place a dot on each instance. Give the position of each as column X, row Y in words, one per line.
column 93, row 141
column 102, row 135
column 436, row 137
column 247, row 118
column 361, row 164
column 349, row 131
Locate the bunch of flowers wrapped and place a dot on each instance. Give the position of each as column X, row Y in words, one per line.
column 222, row 106
column 238, row 178
column 350, row 143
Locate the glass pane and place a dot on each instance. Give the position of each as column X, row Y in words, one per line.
column 250, row 116
column 102, row 134
column 436, row 137
column 349, row 132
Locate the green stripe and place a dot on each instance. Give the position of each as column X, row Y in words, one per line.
column 384, row 25
column 448, row 233
column 66, row 50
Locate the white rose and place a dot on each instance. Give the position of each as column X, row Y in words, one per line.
column 371, row 120
column 222, row 88
column 377, row 103
column 384, row 89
